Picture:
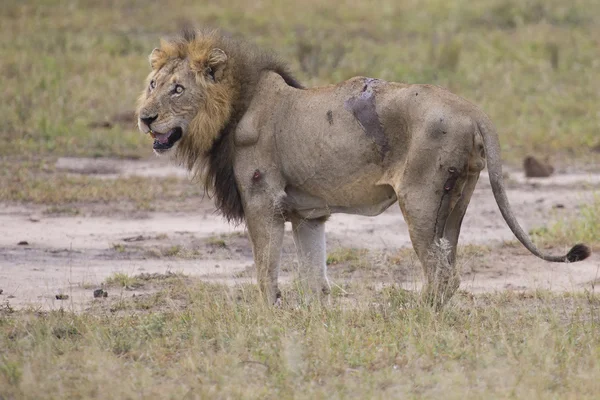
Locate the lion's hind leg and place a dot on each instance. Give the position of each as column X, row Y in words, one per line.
column 434, row 213
column 457, row 213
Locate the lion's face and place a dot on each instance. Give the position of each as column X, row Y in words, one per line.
column 169, row 104
column 181, row 91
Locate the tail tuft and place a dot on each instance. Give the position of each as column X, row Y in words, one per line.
column 579, row 252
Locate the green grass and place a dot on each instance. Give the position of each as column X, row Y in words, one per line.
column 341, row 255
column 121, row 279
column 532, row 65
column 198, row 340
column 217, row 241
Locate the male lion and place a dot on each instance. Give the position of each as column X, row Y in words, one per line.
column 272, row 151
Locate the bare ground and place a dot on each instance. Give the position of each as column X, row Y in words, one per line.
column 44, row 255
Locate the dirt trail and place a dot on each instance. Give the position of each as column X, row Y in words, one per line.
column 74, row 254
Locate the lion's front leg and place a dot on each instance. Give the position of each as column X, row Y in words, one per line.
column 266, row 234
column 309, row 237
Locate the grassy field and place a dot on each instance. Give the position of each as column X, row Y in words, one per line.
column 194, row 340
column 70, row 72
column 532, row 65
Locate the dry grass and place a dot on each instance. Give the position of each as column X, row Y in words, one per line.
column 198, row 340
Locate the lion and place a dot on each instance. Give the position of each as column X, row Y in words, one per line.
column 272, row 151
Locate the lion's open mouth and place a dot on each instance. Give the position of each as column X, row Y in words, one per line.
column 164, row 141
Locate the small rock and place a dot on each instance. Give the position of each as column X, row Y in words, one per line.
column 100, row 293
column 559, row 205
column 535, row 168
column 217, row 266
column 62, row 296
column 1, row 291
column 10, row 296
column 35, row 218
column 23, row 243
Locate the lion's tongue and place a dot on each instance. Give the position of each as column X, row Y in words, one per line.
column 163, row 138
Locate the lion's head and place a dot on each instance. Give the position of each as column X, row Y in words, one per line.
column 188, row 96
column 200, row 86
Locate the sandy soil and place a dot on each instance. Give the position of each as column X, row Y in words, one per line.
column 74, row 254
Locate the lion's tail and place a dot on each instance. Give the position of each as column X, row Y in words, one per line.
column 494, row 163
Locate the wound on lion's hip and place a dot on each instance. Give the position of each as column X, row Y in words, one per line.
column 363, row 107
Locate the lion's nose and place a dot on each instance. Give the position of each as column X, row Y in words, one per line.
column 149, row 120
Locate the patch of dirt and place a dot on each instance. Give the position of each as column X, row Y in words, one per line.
column 73, row 254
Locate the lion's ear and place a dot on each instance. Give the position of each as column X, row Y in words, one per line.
column 216, row 57
column 216, row 63
column 155, row 56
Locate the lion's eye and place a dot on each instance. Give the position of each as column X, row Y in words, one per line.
column 178, row 89
column 152, row 84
